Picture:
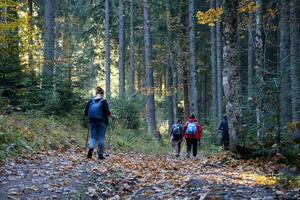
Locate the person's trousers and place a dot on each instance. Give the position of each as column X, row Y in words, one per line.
column 225, row 140
column 176, row 144
column 191, row 143
column 97, row 133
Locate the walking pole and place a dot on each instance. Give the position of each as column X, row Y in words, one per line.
column 86, row 141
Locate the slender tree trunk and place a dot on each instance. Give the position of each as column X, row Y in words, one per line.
column 219, row 66
column 170, row 67
column 185, row 90
column 250, row 54
column 231, row 79
column 107, row 51
column 295, row 65
column 213, row 62
column 149, row 75
column 285, row 101
column 139, row 71
column 49, row 39
column 30, row 39
column 259, row 72
column 132, row 67
column 193, row 70
column 121, row 49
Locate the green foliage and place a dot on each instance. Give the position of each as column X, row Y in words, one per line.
column 135, row 140
column 127, row 111
column 34, row 132
column 289, row 181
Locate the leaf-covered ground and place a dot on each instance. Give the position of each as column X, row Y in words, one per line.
column 69, row 175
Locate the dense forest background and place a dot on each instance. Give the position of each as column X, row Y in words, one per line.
column 158, row 61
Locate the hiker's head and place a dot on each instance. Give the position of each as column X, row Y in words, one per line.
column 224, row 117
column 178, row 121
column 99, row 91
column 192, row 116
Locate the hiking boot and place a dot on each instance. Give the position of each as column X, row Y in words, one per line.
column 177, row 155
column 90, row 153
column 101, row 157
column 188, row 154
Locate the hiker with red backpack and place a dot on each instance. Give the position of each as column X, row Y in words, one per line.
column 97, row 110
column 176, row 136
column 192, row 133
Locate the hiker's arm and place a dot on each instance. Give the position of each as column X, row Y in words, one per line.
column 86, row 111
column 221, row 126
column 106, row 108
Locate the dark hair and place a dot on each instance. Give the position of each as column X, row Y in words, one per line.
column 224, row 117
column 99, row 90
column 192, row 116
column 178, row 120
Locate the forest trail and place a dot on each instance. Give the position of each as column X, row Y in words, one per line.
column 67, row 174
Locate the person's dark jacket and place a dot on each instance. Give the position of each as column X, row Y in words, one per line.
column 224, row 126
column 179, row 136
column 105, row 110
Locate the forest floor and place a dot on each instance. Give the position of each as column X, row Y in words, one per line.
column 67, row 174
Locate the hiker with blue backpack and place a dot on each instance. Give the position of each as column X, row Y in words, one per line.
column 176, row 136
column 192, row 133
column 97, row 110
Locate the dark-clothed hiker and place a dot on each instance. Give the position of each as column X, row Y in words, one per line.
column 225, row 133
column 192, row 133
column 177, row 136
column 97, row 110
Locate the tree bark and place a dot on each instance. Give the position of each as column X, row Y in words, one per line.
column 285, row 101
column 107, row 50
column 170, row 66
column 219, row 66
column 250, row 54
column 149, row 76
column 132, row 66
column 49, row 39
column 30, row 39
column 231, row 79
column 121, row 50
column 213, row 63
column 295, row 66
column 193, row 70
column 259, row 72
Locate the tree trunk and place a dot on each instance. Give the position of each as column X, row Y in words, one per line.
column 107, row 51
column 49, row 38
column 259, row 72
column 149, row 76
column 132, row 67
column 170, row 66
column 30, row 39
column 219, row 66
column 139, row 70
column 121, row 49
column 213, row 51
column 285, row 102
column 250, row 54
column 295, row 66
column 192, row 55
column 231, row 79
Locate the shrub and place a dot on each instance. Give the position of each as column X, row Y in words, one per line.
column 127, row 111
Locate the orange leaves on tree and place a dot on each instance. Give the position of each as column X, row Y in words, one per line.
column 209, row 17
column 247, row 6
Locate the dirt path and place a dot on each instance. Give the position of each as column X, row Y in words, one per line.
column 68, row 175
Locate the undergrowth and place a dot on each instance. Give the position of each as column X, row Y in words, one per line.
column 31, row 132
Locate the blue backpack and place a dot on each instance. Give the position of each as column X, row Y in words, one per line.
column 176, row 129
column 95, row 110
column 191, row 128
